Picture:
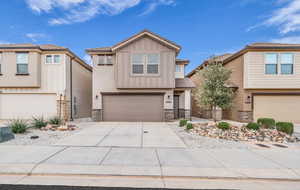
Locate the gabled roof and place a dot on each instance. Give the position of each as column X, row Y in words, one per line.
column 139, row 35
column 218, row 58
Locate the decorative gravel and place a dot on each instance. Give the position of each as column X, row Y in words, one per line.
column 45, row 137
column 196, row 141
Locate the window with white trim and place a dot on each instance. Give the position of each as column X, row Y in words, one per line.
column 22, row 63
column 271, row 60
column 152, row 63
column 105, row 60
column 137, row 62
column 178, row 68
column 50, row 59
column 145, row 63
column 287, row 63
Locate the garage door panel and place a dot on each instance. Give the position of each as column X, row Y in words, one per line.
column 26, row 106
column 132, row 108
column 281, row 108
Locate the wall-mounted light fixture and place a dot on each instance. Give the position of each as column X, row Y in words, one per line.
column 248, row 100
column 97, row 96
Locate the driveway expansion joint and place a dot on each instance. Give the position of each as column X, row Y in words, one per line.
column 44, row 160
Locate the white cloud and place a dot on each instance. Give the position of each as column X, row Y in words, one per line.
column 154, row 4
column 76, row 11
column 286, row 18
column 46, row 5
column 88, row 59
column 287, row 40
column 35, row 36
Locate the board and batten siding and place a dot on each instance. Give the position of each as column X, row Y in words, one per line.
column 124, row 77
column 255, row 77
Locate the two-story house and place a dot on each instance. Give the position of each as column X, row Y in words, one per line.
column 43, row 80
column 140, row 79
column 266, row 81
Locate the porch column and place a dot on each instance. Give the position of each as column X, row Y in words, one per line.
column 187, row 103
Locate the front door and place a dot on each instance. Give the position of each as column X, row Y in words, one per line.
column 176, row 107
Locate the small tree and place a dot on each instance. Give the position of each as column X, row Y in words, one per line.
column 213, row 91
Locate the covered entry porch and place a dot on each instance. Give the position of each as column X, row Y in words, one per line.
column 182, row 98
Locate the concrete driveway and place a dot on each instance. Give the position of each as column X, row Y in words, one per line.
column 122, row 134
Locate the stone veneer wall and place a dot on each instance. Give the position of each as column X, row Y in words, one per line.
column 245, row 116
column 186, row 114
column 168, row 114
column 97, row 114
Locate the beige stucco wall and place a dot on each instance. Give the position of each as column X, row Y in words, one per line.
column 82, row 91
column 236, row 66
column 9, row 70
column 124, row 77
column 255, row 77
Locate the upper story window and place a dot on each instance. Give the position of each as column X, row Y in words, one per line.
column 50, row 59
column 178, row 69
column 105, row 60
column 271, row 60
column 152, row 63
column 22, row 63
column 145, row 63
column 137, row 62
column 287, row 63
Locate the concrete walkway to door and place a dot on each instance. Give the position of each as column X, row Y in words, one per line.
column 122, row 134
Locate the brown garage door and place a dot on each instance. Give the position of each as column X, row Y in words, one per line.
column 132, row 107
column 281, row 108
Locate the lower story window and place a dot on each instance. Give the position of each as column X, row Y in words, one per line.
column 22, row 68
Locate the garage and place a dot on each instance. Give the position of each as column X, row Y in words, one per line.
column 128, row 107
column 279, row 107
column 26, row 106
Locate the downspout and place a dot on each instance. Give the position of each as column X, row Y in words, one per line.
column 71, row 87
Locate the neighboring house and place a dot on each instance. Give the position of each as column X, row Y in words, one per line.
column 43, row 80
column 266, row 81
column 140, row 79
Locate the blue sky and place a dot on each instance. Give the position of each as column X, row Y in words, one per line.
column 202, row 27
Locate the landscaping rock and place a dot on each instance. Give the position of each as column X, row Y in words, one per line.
column 242, row 133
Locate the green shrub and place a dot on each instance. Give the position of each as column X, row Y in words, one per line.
column 183, row 122
column 285, row 127
column 268, row 123
column 18, row 126
column 253, row 126
column 55, row 121
column 38, row 122
column 189, row 126
column 223, row 125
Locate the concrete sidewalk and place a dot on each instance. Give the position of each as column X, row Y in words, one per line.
column 152, row 162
